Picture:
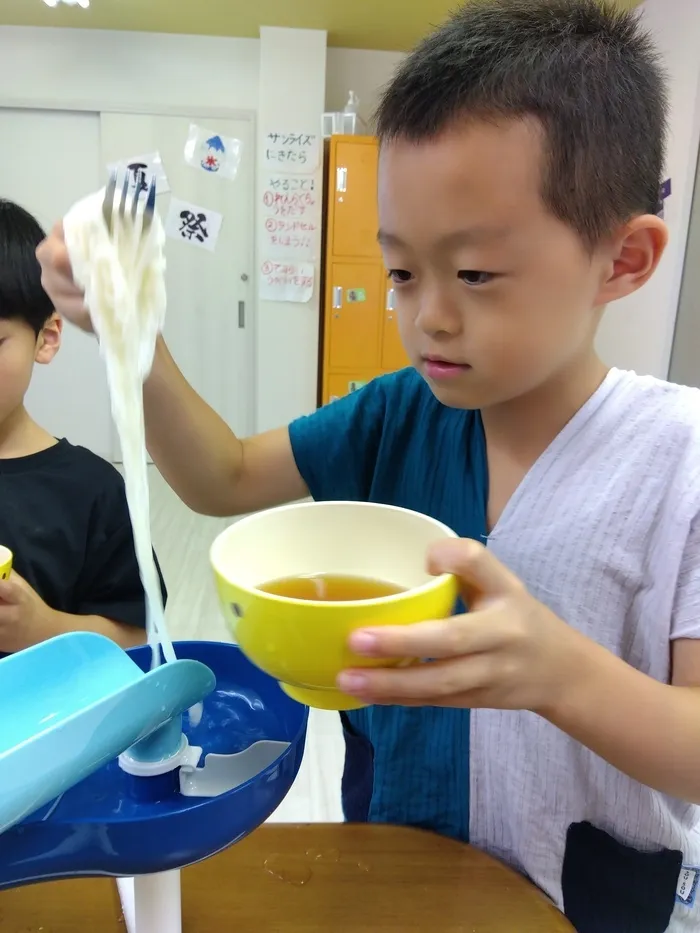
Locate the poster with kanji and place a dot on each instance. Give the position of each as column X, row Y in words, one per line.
column 141, row 170
column 292, row 153
column 286, row 281
column 291, row 216
column 193, row 225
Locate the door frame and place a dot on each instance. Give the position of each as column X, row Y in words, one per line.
column 94, row 105
column 684, row 366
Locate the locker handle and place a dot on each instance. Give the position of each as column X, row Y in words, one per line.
column 391, row 299
column 337, row 296
column 341, row 179
column 241, row 314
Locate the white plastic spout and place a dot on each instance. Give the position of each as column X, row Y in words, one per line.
column 185, row 756
column 152, row 903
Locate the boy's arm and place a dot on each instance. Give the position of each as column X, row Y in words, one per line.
column 126, row 636
column 648, row 730
column 211, row 470
column 26, row 620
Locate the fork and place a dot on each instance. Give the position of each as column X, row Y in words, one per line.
column 130, row 204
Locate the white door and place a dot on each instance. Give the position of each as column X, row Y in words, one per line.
column 685, row 358
column 48, row 160
column 209, row 320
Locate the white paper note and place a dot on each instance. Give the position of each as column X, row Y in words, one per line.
column 286, row 281
column 292, row 152
column 193, row 225
column 291, row 212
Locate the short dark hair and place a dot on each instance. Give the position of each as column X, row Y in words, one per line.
column 22, row 297
column 586, row 70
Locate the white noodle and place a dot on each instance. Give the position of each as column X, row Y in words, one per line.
column 124, row 280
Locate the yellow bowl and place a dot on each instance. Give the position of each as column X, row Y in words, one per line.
column 304, row 644
column 5, row 562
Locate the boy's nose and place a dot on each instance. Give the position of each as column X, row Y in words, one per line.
column 438, row 315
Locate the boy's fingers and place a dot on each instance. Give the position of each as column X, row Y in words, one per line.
column 56, row 269
column 425, row 683
column 9, row 592
column 479, row 571
column 443, row 638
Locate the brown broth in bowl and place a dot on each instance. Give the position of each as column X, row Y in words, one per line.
column 330, row 587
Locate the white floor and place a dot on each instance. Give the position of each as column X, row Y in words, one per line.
column 182, row 540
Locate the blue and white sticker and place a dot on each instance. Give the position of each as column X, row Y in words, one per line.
column 687, row 889
column 213, row 153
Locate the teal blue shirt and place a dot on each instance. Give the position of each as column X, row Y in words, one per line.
column 393, row 442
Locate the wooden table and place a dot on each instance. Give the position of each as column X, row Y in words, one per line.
column 314, row 878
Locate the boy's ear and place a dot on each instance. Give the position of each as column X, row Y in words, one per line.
column 635, row 253
column 49, row 340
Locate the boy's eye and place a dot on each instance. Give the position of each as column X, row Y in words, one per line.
column 474, row 277
column 400, row 276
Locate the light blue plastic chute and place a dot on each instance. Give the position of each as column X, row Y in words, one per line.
column 71, row 704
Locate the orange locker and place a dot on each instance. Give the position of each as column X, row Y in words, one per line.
column 353, row 232
column 341, row 384
column 353, row 325
column 393, row 355
column 360, row 334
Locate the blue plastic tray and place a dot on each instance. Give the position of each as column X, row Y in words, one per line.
column 100, row 828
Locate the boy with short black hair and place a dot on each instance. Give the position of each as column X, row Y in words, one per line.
column 63, row 509
column 558, row 723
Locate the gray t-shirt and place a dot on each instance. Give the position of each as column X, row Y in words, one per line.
column 605, row 530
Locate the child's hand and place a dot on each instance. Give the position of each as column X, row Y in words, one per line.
column 509, row 652
column 21, row 614
column 57, row 279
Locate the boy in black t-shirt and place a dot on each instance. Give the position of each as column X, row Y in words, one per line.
column 63, row 510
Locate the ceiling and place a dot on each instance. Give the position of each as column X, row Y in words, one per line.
column 368, row 24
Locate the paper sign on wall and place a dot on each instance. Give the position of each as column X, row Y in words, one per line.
column 141, row 170
column 210, row 152
column 193, row 225
column 294, row 153
column 286, row 281
column 291, row 212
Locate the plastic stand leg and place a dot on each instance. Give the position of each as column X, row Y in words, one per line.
column 152, row 903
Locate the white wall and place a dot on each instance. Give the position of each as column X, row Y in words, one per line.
column 291, row 97
column 81, row 71
column 637, row 333
column 75, row 64
column 363, row 71
column 282, row 77
column 118, row 68
column 55, row 397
